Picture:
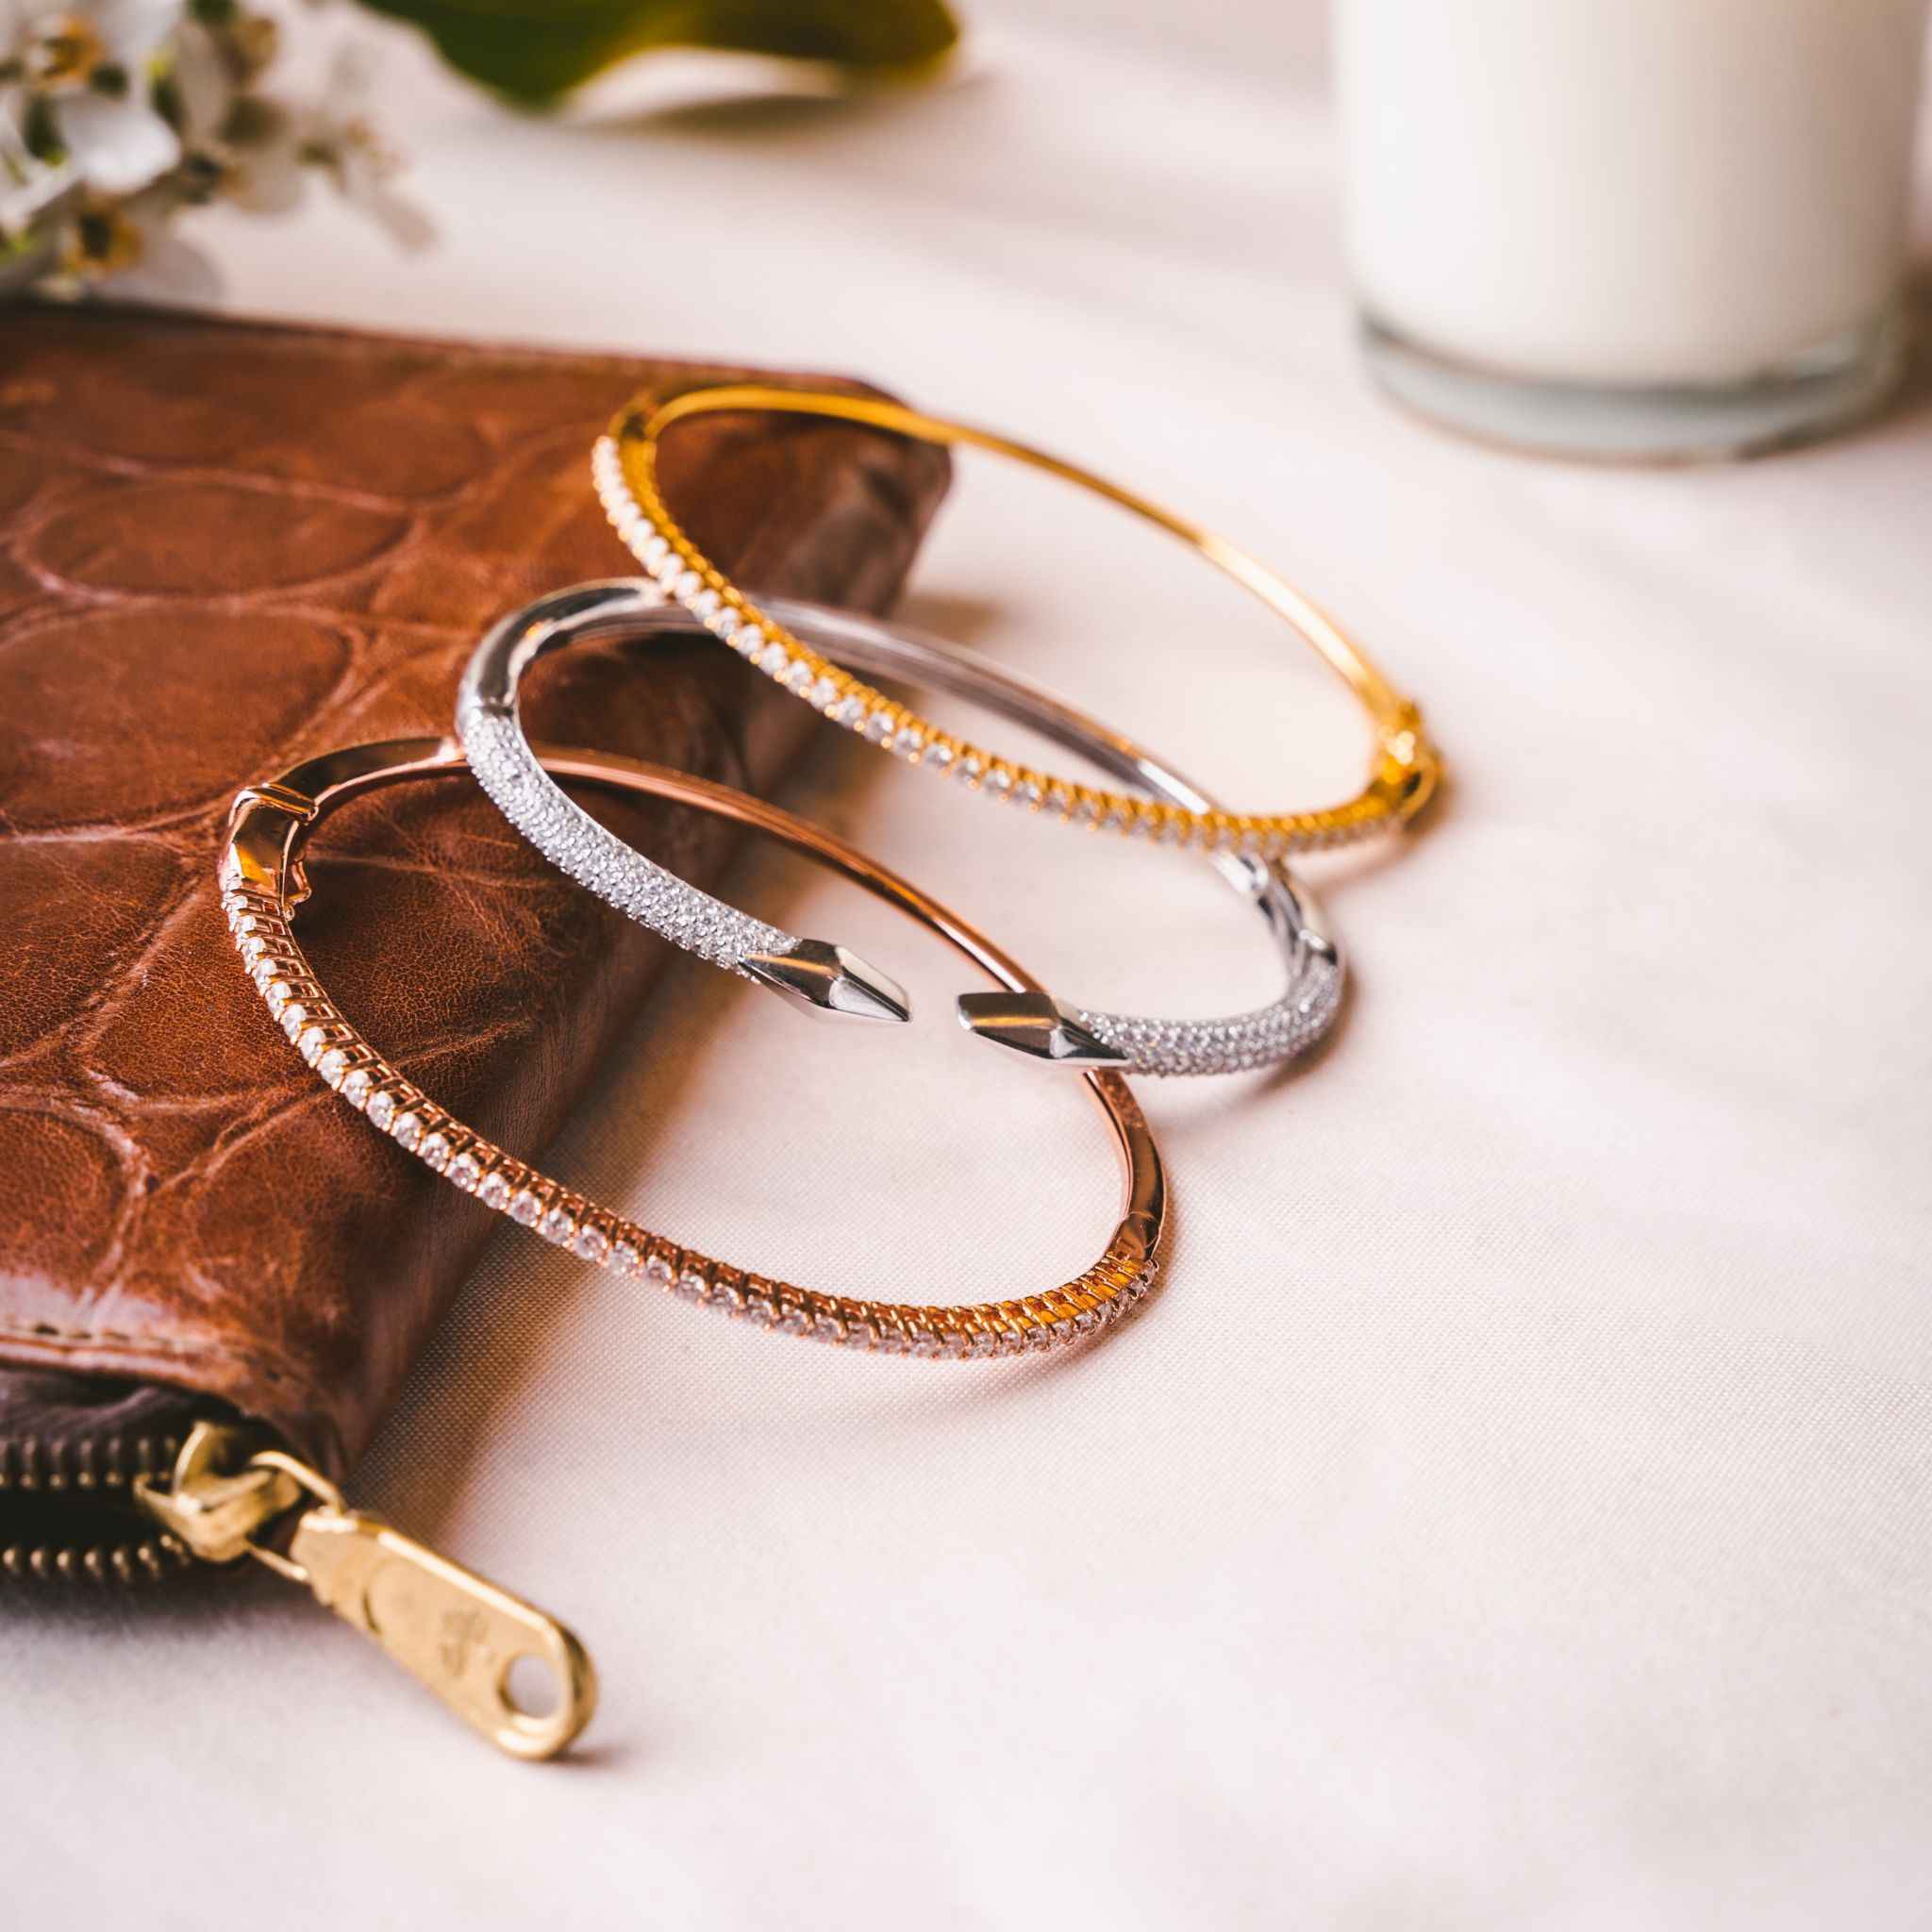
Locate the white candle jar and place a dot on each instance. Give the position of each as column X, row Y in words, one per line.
column 1643, row 228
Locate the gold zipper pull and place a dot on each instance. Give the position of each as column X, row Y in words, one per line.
column 456, row 1633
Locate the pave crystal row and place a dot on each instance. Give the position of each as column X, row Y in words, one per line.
column 395, row 1106
column 488, row 724
column 1237, row 1044
column 625, row 481
column 573, row 841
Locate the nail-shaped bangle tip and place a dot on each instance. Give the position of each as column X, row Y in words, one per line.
column 826, row 978
column 1039, row 1025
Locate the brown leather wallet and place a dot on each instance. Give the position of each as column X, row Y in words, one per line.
column 227, row 547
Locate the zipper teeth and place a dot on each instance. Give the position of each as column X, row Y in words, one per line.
column 87, row 1462
column 146, row 1561
column 87, row 1467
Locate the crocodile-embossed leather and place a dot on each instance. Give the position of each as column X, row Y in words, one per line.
column 227, row 547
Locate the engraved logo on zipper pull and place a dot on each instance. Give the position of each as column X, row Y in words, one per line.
column 453, row 1631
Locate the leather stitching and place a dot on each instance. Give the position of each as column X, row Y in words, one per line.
column 196, row 1351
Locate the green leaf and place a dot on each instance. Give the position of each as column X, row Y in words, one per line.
column 535, row 50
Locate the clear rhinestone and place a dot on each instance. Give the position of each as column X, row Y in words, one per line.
column 794, row 1322
column 1028, row 793
column 726, row 1294
column 849, row 711
column 801, row 676
column 333, row 1065
column 878, row 727
column 493, row 1192
column 311, row 1044
column 355, row 1086
column 591, row 1244
column 433, row 1148
column 999, row 781
column 706, row 606
column 749, row 641
column 658, row 1271
column 407, row 1129
column 625, row 1257
column 861, row 1334
column 668, row 568
column 254, row 946
column 758, row 1311
column 381, row 1109
column 824, row 693
column 828, row 1328
column 774, row 659
column 264, row 970
column 277, row 992
column 688, row 585
column 465, row 1170
column 559, row 1226
column 909, row 741
column 692, row 1286
column 294, row 1018
column 939, row 756
column 654, row 551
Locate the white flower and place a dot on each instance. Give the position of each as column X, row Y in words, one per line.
column 93, row 68
column 118, row 115
column 134, row 239
column 29, row 187
column 332, row 136
column 203, row 85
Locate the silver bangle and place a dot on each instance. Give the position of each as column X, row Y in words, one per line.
column 825, row 978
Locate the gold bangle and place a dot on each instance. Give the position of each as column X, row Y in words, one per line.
column 263, row 880
column 1403, row 772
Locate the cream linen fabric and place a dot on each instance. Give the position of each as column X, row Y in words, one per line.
column 1514, row 1510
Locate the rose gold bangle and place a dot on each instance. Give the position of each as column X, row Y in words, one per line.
column 263, row 881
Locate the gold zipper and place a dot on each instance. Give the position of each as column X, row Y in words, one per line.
column 229, row 1497
column 72, row 1510
column 71, row 1481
